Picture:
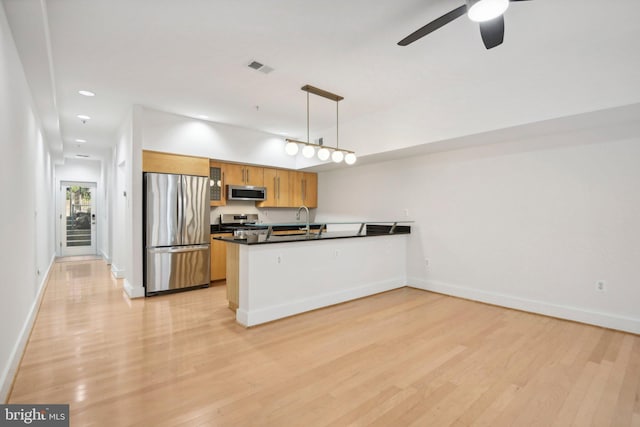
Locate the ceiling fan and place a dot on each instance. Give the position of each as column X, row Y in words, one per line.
column 488, row 13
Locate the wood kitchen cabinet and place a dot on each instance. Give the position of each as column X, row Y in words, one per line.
column 304, row 189
column 218, row 257
column 233, row 276
column 217, row 195
column 238, row 174
column 277, row 183
column 155, row 161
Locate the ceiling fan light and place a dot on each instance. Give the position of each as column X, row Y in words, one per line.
column 291, row 148
column 323, row 154
column 308, row 151
column 337, row 156
column 350, row 158
column 486, row 10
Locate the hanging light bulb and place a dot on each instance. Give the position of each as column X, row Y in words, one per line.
column 350, row 158
column 323, row 154
column 308, row 151
column 291, row 148
column 337, row 156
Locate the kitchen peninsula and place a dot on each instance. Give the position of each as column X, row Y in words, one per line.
column 274, row 276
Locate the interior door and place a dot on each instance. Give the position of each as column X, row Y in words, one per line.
column 77, row 215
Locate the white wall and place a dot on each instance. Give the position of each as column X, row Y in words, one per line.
column 104, row 201
column 183, row 135
column 26, row 225
column 126, row 204
column 121, row 200
column 525, row 224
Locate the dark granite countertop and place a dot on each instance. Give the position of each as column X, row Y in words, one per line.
column 215, row 228
column 371, row 231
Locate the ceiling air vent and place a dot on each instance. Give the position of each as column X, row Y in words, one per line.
column 260, row 67
column 82, row 155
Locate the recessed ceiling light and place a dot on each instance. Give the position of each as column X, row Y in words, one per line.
column 202, row 116
column 86, row 93
column 83, row 117
column 81, row 141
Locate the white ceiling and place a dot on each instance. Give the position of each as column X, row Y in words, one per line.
column 189, row 57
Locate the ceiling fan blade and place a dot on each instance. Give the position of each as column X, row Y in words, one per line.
column 492, row 32
column 434, row 25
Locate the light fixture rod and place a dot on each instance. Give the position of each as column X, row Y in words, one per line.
column 308, row 140
column 318, row 145
column 336, row 124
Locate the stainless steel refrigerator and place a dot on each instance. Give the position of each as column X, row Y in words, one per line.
column 176, row 232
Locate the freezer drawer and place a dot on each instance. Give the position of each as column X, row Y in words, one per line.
column 176, row 267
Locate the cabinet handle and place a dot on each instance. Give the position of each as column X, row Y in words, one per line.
column 243, row 180
column 248, row 179
column 304, row 190
column 278, row 188
column 275, row 188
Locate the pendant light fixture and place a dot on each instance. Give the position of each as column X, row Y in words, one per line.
column 336, row 153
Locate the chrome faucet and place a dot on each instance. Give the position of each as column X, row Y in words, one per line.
column 308, row 228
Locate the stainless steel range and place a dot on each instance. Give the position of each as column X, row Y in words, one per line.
column 242, row 225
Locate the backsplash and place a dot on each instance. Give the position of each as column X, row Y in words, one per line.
column 266, row 215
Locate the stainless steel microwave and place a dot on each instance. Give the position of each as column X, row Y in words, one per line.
column 246, row 192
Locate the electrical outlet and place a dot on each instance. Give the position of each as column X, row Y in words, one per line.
column 336, row 253
column 426, row 262
column 406, row 213
column 601, row 286
column 279, row 259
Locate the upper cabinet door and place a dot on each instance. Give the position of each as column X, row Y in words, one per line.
column 217, row 195
column 310, row 186
column 254, row 175
column 304, row 189
column 284, row 191
column 277, row 183
column 244, row 174
column 234, row 174
column 270, row 177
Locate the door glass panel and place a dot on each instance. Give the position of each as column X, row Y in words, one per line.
column 78, row 216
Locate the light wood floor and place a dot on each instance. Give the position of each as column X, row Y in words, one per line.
column 405, row 357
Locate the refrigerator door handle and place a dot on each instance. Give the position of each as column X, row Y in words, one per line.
column 177, row 249
column 180, row 203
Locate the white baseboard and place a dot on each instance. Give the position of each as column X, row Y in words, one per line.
column 6, row 379
column 578, row 314
column 106, row 257
column 133, row 291
column 267, row 314
column 117, row 272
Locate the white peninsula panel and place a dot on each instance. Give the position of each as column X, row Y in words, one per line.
column 282, row 279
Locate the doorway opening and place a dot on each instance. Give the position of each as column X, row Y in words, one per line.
column 77, row 218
